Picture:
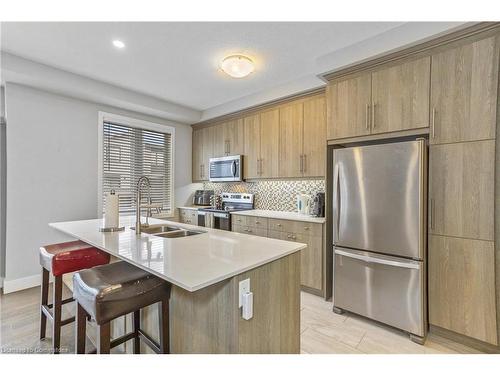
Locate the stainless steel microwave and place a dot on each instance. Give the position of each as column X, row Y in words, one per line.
column 226, row 168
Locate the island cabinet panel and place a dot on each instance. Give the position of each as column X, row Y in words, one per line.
column 464, row 83
column 462, row 287
column 209, row 320
column 461, row 189
column 314, row 137
column 291, row 120
column 348, row 107
column 251, row 159
column 400, row 96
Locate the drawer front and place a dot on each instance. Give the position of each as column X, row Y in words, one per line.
column 276, row 234
column 311, row 229
column 238, row 228
column 280, row 225
column 381, row 288
column 261, row 232
column 296, row 227
column 239, row 220
column 250, row 230
column 257, row 222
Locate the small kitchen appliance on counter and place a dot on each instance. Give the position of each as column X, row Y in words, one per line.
column 318, row 208
column 202, row 197
column 303, row 202
column 220, row 218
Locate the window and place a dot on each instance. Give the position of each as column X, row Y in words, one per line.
column 130, row 149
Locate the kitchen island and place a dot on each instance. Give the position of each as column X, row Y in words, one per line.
column 205, row 270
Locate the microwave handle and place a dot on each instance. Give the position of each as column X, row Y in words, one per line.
column 233, row 168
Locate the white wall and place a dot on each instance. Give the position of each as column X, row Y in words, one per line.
column 52, row 172
column 2, row 184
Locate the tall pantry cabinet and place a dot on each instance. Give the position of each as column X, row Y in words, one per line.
column 464, row 81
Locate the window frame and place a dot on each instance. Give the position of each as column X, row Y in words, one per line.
column 133, row 123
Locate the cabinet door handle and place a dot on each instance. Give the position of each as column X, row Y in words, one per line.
column 300, row 164
column 432, row 213
column 373, row 115
column 304, row 163
column 367, row 119
column 433, row 122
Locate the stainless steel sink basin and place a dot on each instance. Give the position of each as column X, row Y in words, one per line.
column 158, row 228
column 178, row 233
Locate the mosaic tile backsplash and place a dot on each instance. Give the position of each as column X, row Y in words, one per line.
column 270, row 195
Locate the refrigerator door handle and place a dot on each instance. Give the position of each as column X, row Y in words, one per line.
column 336, row 204
column 369, row 259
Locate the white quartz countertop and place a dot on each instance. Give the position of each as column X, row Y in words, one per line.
column 192, row 207
column 284, row 215
column 192, row 262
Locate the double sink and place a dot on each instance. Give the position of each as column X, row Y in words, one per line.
column 168, row 231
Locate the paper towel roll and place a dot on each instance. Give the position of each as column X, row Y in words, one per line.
column 111, row 211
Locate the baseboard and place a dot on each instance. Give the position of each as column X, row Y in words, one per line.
column 465, row 340
column 10, row 286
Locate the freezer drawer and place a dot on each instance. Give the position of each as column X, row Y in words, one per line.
column 383, row 288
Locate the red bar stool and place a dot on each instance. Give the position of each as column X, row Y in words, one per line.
column 60, row 259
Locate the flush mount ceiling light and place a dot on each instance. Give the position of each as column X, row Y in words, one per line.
column 118, row 44
column 237, row 66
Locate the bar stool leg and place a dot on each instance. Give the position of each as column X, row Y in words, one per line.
column 44, row 300
column 104, row 338
column 136, row 326
column 164, row 323
column 57, row 310
column 81, row 329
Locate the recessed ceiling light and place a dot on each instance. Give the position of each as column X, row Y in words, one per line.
column 237, row 66
column 118, row 44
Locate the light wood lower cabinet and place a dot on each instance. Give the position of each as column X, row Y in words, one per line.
column 462, row 286
column 188, row 216
column 312, row 257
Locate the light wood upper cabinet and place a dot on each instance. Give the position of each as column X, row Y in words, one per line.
column 291, row 120
column 462, row 286
column 220, row 142
column 197, row 154
column 269, row 143
column 251, row 149
column 461, row 189
column 400, row 97
column 314, row 137
column 464, row 92
column 348, row 112
column 203, row 149
column 233, row 137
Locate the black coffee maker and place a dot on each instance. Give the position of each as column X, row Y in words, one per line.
column 319, row 205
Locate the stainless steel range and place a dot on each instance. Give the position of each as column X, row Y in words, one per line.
column 220, row 218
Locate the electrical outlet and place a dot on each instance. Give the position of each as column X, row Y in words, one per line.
column 244, row 287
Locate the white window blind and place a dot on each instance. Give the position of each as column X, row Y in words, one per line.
column 128, row 154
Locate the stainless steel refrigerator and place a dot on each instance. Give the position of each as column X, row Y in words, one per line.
column 379, row 235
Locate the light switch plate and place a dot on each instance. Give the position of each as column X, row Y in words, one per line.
column 244, row 287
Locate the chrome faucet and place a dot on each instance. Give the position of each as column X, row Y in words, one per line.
column 143, row 181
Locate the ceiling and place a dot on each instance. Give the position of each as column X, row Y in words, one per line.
column 178, row 62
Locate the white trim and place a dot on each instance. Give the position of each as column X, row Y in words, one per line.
column 135, row 123
column 10, row 286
